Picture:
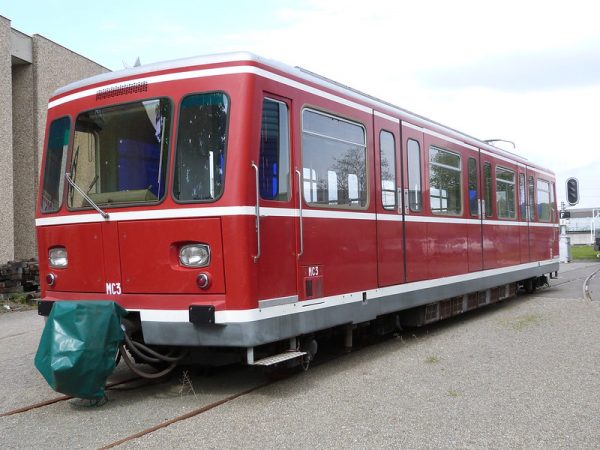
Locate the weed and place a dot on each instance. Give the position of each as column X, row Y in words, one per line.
column 522, row 322
column 453, row 393
column 187, row 386
column 432, row 359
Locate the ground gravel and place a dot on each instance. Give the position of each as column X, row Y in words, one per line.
column 524, row 373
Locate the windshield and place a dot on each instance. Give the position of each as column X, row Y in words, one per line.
column 120, row 153
column 201, row 143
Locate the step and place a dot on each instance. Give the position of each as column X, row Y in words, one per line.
column 276, row 359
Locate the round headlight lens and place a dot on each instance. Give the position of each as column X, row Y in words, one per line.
column 194, row 255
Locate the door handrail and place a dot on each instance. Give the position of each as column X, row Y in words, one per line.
column 301, row 230
column 257, row 212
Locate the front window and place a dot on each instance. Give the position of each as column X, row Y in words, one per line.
column 201, row 141
column 56, row 159
column 120, row 153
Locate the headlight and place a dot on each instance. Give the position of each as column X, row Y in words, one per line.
column 194, row 255
column 57, row 257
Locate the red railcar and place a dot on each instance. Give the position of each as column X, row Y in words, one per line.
column 230, row 201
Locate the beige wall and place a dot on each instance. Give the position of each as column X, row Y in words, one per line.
column 7, row 243
column 24, row 162
column 24, row 93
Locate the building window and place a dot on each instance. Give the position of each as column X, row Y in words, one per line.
column 274, row 164
column 505, row 193
column 201, row 141
column 56, row 160
column 387, row 147
column 444, row 182
column 473, row 188
column 414, row 175
column 487, row 190
column 543, row 200
column 334, row 161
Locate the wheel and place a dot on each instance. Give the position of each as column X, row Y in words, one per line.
column 530, row 285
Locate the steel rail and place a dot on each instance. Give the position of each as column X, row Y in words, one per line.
column 60, row 399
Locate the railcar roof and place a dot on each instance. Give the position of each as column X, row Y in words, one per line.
column 296, row 72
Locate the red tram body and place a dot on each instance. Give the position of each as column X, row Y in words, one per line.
column 232, row 201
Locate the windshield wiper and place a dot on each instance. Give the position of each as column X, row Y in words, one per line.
column 85, row 196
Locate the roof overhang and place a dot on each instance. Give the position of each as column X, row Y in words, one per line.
column 21, row 48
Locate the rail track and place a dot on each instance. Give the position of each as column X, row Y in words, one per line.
column 185, row 416
column 61, row 398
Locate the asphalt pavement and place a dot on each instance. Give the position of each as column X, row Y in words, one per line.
column 524, row 373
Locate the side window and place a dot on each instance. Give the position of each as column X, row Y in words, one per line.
column 414, row 175
column 522, row 203
column 487, row 189
column 543, row 200
column 444, row 182
column 387, row 147
column 505, row 193
column 274, row 159
column 531, row 202
column 552, row 203
column 56, row 160
column 473, row 188
column 334, row 161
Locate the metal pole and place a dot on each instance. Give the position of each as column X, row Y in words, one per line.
column 592, row 226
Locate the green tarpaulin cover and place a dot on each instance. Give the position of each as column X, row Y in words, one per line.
column 78, row 347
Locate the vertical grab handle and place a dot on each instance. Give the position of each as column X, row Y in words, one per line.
column 257, row 211
column 301, row 230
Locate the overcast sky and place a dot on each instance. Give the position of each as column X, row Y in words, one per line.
column 526, row 71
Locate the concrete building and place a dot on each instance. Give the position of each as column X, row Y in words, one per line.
column 31, row 69
column 582, row 225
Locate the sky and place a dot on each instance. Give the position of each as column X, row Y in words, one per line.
column 526, row 71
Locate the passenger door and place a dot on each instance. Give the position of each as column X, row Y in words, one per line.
column 488, row 231
column 276, row 255
column 475, row 213
column 390, row 223
column 415, row 231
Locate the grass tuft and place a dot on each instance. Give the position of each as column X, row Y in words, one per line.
column 432, row 359
column 521, row 322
